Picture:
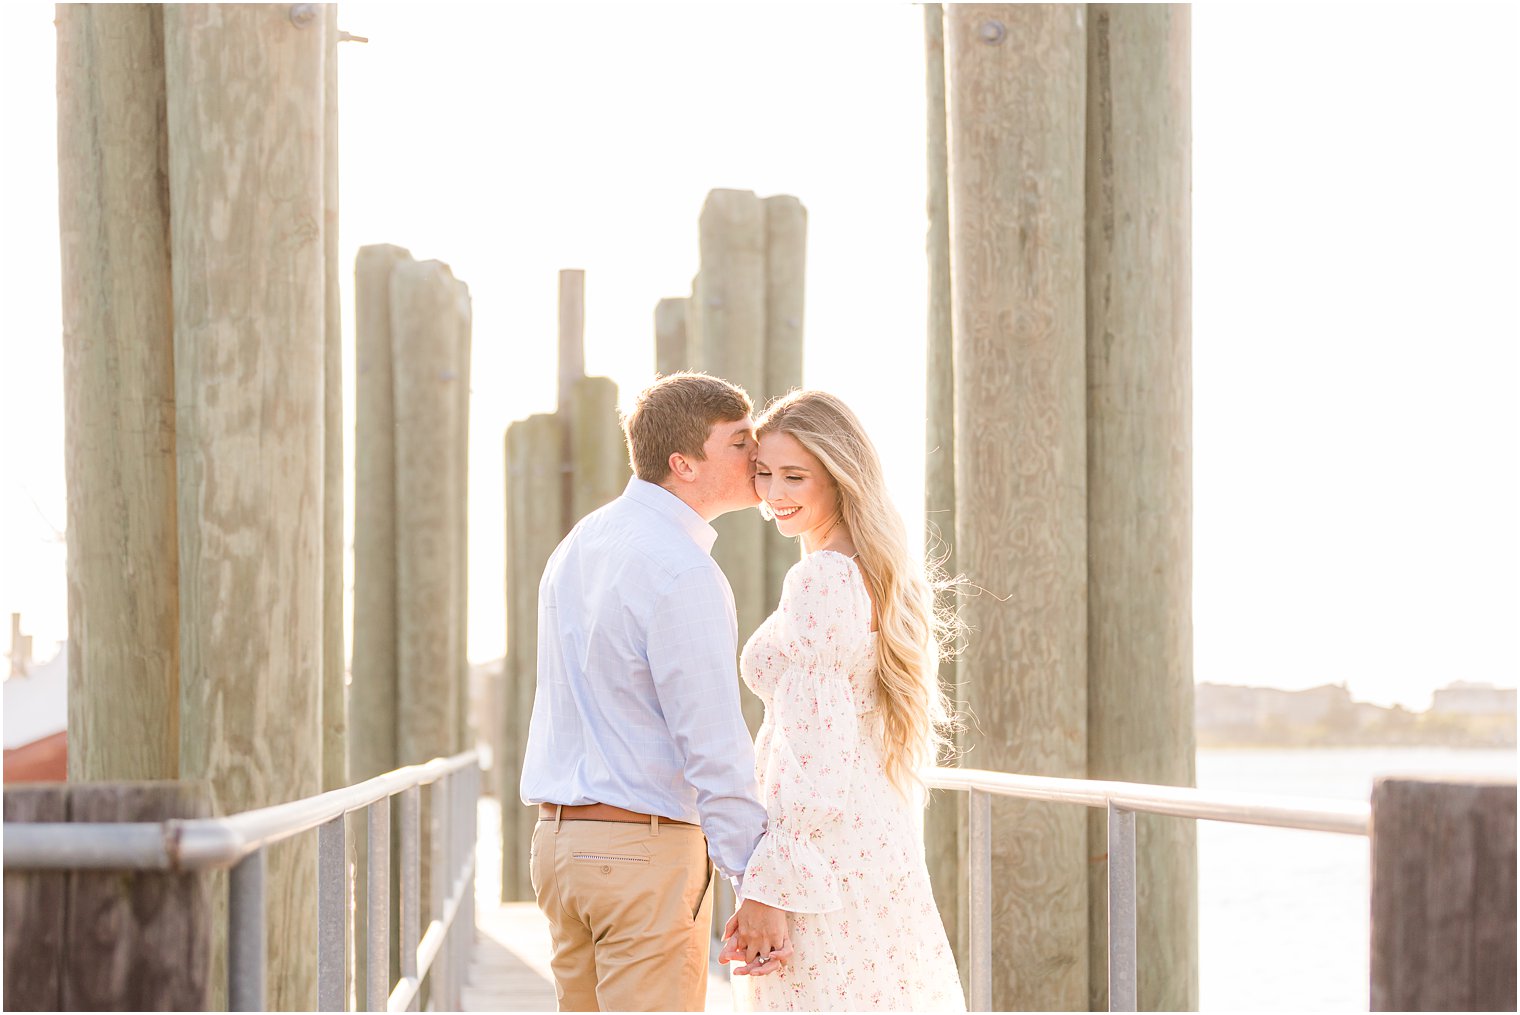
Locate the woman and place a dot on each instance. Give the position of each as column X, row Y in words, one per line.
column 846, row 667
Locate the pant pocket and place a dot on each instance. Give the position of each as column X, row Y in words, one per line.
column 696, row 905
column 534, row 861
column 625, row 860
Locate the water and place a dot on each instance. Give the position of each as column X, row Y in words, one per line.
column 1283, row 914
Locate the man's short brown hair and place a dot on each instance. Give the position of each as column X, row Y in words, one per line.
column 675, row 414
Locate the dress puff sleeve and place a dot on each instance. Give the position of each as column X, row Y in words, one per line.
column 822, row 622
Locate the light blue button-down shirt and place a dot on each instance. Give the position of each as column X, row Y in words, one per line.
column 638, row 695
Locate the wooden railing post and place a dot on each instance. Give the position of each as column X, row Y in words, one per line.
column 108, row 940
column 1443, row 896
column 1016, row 78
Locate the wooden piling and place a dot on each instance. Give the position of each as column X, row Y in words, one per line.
column 334, row 669
column 123, row 560
column 572, row 368
column 1016, row 84
column 1443, row 896
column 693, row 304
column 36, row 902
column 731, row 329
column 534, row 514
column 947, row 814
column 88, row 940
column 334, row 661
column 427, row 313
column 572, row 332
column 244, row 88
column 598, row 454
column 425, row 344
column 1139, row 476
column 468, row 724
column 670, row 349
column 785, row 285
column 372, row 694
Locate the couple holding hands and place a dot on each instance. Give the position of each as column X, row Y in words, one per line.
column 638, row 757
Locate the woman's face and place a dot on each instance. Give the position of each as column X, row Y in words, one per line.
column 796, row 487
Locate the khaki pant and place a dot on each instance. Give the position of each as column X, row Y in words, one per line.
column 630, row 912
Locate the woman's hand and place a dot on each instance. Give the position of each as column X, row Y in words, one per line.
column 752, row 936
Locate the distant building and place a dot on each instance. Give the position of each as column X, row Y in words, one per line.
column 1226, row 705
column 36, row 716
column 1464, row 698
column 1462, row 715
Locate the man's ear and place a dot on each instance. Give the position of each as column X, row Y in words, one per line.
column 681, row 467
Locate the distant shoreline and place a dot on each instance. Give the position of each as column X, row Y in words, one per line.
column 1242, row 747
column 1461, row 715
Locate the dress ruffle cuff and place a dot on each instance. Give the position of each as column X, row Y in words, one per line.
column 789, row 872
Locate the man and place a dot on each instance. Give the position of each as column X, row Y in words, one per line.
column 638, row 756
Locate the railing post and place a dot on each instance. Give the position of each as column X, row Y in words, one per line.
column 981, row 900
column 440, row 974
column 459, row 930
column 377, row 961
column 1121, row 910
column 245, row 935
column 411, row 887
column 450, row 949
column 472, row 839
column 332, row 914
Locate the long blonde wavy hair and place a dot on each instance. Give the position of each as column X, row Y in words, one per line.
column 910, row 632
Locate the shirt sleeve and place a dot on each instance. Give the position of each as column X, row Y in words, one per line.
column 693, row 652
column 823, row 616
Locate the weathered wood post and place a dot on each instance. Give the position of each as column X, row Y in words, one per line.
column 249, row 337
column 334, row 663
column 108, row 940
column 250, row 333
column 572, row 367
column 693, row 305
column 123, row 561
column 671, row 353
column 1139, row 476
column 598, row 453
column 947, row 814
column 534, row 516
column 428, row 310
column 1443, row 896
column 1016, row 84
column 785, row 277
column 36, row 902
column 468, row 726
column 730, row 306
column 334, row 668
column 427, row 313
column 372, row 694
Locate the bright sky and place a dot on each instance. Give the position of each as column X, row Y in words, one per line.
column 1356, row 475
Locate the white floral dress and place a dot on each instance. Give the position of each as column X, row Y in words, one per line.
column 842, row 851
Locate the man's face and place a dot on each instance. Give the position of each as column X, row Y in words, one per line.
column 729, row 469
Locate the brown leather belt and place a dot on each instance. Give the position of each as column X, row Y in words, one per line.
column 601, row 812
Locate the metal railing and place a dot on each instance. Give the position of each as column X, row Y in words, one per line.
column 1123, row 800
column 240, row 842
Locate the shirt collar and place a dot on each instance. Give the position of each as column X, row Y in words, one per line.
column 677, row 510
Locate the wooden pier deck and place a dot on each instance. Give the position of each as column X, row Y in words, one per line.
column 509, row 970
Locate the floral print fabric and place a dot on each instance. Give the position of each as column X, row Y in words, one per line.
column 842, row 851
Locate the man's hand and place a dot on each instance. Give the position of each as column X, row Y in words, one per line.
column 757, row 936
